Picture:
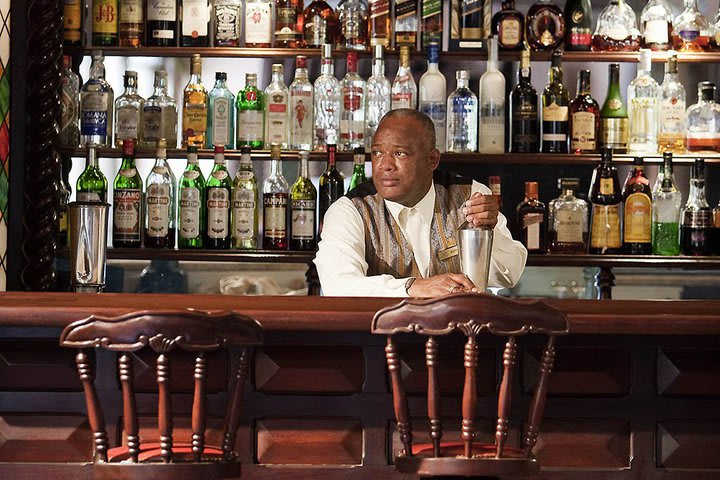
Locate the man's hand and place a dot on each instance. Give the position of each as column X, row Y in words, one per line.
column 481, row 210
column 439, row 285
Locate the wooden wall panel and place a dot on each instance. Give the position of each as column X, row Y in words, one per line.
column 690, row 444
column 329, row 441
column 37, row 365
column 688, row 372
column 45, row 438
column 181, row 371
column 309, row 369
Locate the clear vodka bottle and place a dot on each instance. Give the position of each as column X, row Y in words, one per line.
column 492, row 105
column 276, row 109
column 671, row 105
column 643, row 108
column 69, row 101
column 96, row 105
column 160, row 114
column 433, row 95
column 301, row 107
column 327, row 95
column 377, row 103
column 352, row 113
column 404, row 89
column 462, row 108
column 128, row 111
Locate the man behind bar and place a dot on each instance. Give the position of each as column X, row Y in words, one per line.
column 397, row 234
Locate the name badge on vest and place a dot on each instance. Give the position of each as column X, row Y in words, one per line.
column 450, row 251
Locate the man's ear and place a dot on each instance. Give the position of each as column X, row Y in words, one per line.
column 434, row 158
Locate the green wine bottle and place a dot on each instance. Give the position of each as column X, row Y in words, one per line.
column 358, row 175
column 217, row 196
column 303, row 199
column 250, row 103
column 613, row 115
column 191, row 203
column 245, row 204
column 127, row 201
column 91, row 184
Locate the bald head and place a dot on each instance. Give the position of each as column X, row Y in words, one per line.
column 427, row 126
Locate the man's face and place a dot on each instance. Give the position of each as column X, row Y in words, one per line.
column 402, row 162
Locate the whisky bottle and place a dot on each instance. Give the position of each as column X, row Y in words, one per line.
column 584, row 117
column 327, row 95
column 432, row 22
column 406, row 23
column 195, row 23
column 508, row 25
column 470, row 32
column 616, row 29
column 492, row 105
column 532, row 216
column 378, row 102
column 404, row 88
column 288, row 23
column 358, row 175
column 70, row 105
column 332, row 185
column 132, row 26
column 301, row 107
column 221, row 113
column 217, row 195
column 303, row 199
column 568, row 219
column 228, row 23
column 127, row 201
column 160, row 114
column 245, row 204
column 606, row 200
column 128, row 111
column 637, row 211
column 91, row 184
column 275, row 204
column 697, row 217
column 160, row 202
column 191, row 203
column 258, row 23
column 72, row 22
column 545, row 26
column 352, row 112
column 162, row 23
column 353, row 16
column 433, row 96
column 462, row 108
column 555, row 102
column 703, row 121
column 671, row 116
column 105, row 23
column 643, row 109
column 656, row 23
column 250, row 104
column 379, row 28
column 666, row 207
column 578, row 25
column 320, row 25
column 96, row 105
column 276, row 109
column 194, row 107
column 613, row 115
column 524, row 135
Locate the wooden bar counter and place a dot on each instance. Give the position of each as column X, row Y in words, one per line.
column 635, row 393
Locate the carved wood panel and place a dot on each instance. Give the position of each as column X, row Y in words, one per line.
column 37, row 365
column 688, row 372
column 181, row 371
column 689, row 444
column 45, row 438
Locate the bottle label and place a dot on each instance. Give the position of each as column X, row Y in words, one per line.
column 303, row 220
column 94, row 113
column 379, row 8
column 227, row 22
column 402, row 100
column 250, row 126
column 195, row 18
column 218, row 212
column 69, row 109
column 607, row 186
column 277, row 119
column 127, row 172
column 220, row 174
column 656, row 32
column 275, row 215
column 437, row 111
column 316, row 30
column 605, row 228
column 555, row 113
column 547, row 27
column 158, row 205
column 352, row 131
column 618, row 32
column 162, row 11
column 72, row 20
column 160, row 169
column 258, row 28
column 105, row 16
column 189, row 212
column 638, row 218
column 641, row 117
column 168, row 125
column 569, row 225
column 689, row 35
column 243, row 213
column 492, row 127
column 151, row 118
column 352, row 97
column 127, row 122
column 88, row 197
column 580, row 36
column 583, row 131
column 672, row 115
column 532, row 223
column 614, row 132
column 126, row 213
column 221, row 121
column 131, row 11
column 510, row 32
column 285, row 21
column 194, row 119
column 301, row 117
column 431, row 8
column 191, row 174
column 697, row 218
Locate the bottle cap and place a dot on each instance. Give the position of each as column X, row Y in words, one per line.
column 638, row 161
column 219, row 149
column 245, row 150
column 304, row 154
column 378, row 52
column 531, row 189
column 275, row 151
column 162, row 73
column 161, row 143
column 359, row 150
column 192, row 149
column 404, row 55
column 671, row 66
column 645, row 58
column 67, row 61
column 556, row 59
column 277, row 68
column 352, row 59
column 128, row 147
column 301, row 61
column 220, row 76
column 568, row 183
column 327, row 51
column 698, row 169
column 97, row 54
column 706, row 91
column 462, row 75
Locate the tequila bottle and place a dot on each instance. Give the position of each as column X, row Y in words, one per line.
column 643, row 109
column 492, row 105
column 656, row 25
column 616, row 29
column 250, row 104
column 91, row 184
column 404, row 89
column 327, row 95
column 524, row 111
column 276, row 109
column 320, row 24
column 613, row 115
column 70, row 104
column 352, row 112
column 433, row 96
column 379, row 27
column 666, row 206
column 162, row 23
column 568, row 219
column 332, row 185
column 697, row 216
column 584, row 117
column 160, row 202
column 301, row 107
column 195, row 23
column 160, row 114
column 703, row 121
column 221, row 113
column 195, row 108
column 303, row 199
column 96, row 105
column 606, row 199
column 245, row 204
column 191, row 204
column 406, row 23
column 671, row 106
column 377, row 103
column 128, row 111
column 228, row 23
column 637, row 211
column 217, row 195
column 127, row 201
column 275, row 204
column 352, row 15
column 691, row 32
column 358, row 175
column 555, row 115
column 131, row 23
column 462, row 108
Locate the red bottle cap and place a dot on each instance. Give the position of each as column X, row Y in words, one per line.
column 301, row 61
column 128, row 147
column 219, row 149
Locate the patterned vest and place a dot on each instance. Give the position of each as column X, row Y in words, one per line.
column 387, row 251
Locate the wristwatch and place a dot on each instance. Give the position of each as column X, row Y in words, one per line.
column 408, row 284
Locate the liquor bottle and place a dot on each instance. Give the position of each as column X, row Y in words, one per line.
column 353, row 16
column 691, row 32
column 637, row 211
column 96, row 105
column 160, row 114
column 643, row 109
column 613, row 115
column 433, row 95
column 250, row 104
column 352, row 111
column 358, row 175
column 656, row 24
column 320, row 25
column 105, row 23
column 524, row 134
column 72, row 22
column 127, row 201
column 406, row 23
column 228, row 23
column 532, row 216
column 472, row 20
column 160, row 202
column 332, row 185
column 288, row 30
column 221, row 113
column 132, row 25
column 545, row 26
column 191, row 203
column 697, row 216
column 568, row 219
column 715, row 45
column 217, row 195
column 508, row 25
column 555, row 116
column 616, row 29
column 64, row 192
column 584, row 117
column 379, row 28
column 578, row 25
column 91, row 184
column 432, row 22
column 404, row 88
column 70, row 105
column 301, row 107
column 275, row 204
column 303, row 199
column 492, row 105
column 671, row 105
column 495, row 185
column 703, row 121
column 462, row 108
column 161, row 23
column 258, row 23
column 195, row 108
column 128, row 111
column 377, row 103
column 606, row 199
column 276, row 109
column 195, row 23
column 327, row 94
column 245, row 204
column 666, row 206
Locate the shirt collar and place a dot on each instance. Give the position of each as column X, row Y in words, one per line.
column 426, row 206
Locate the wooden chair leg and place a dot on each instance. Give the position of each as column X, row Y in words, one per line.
column 94, row 410
column 537, row 407
column 399, row 398
column 130, row 423
column 164, row 407
column 198, row 410
column 432, row 360
column 469, row 398
column 232, row 419
column 505, row 396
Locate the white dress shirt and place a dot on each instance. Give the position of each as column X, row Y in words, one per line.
column 340, row 259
